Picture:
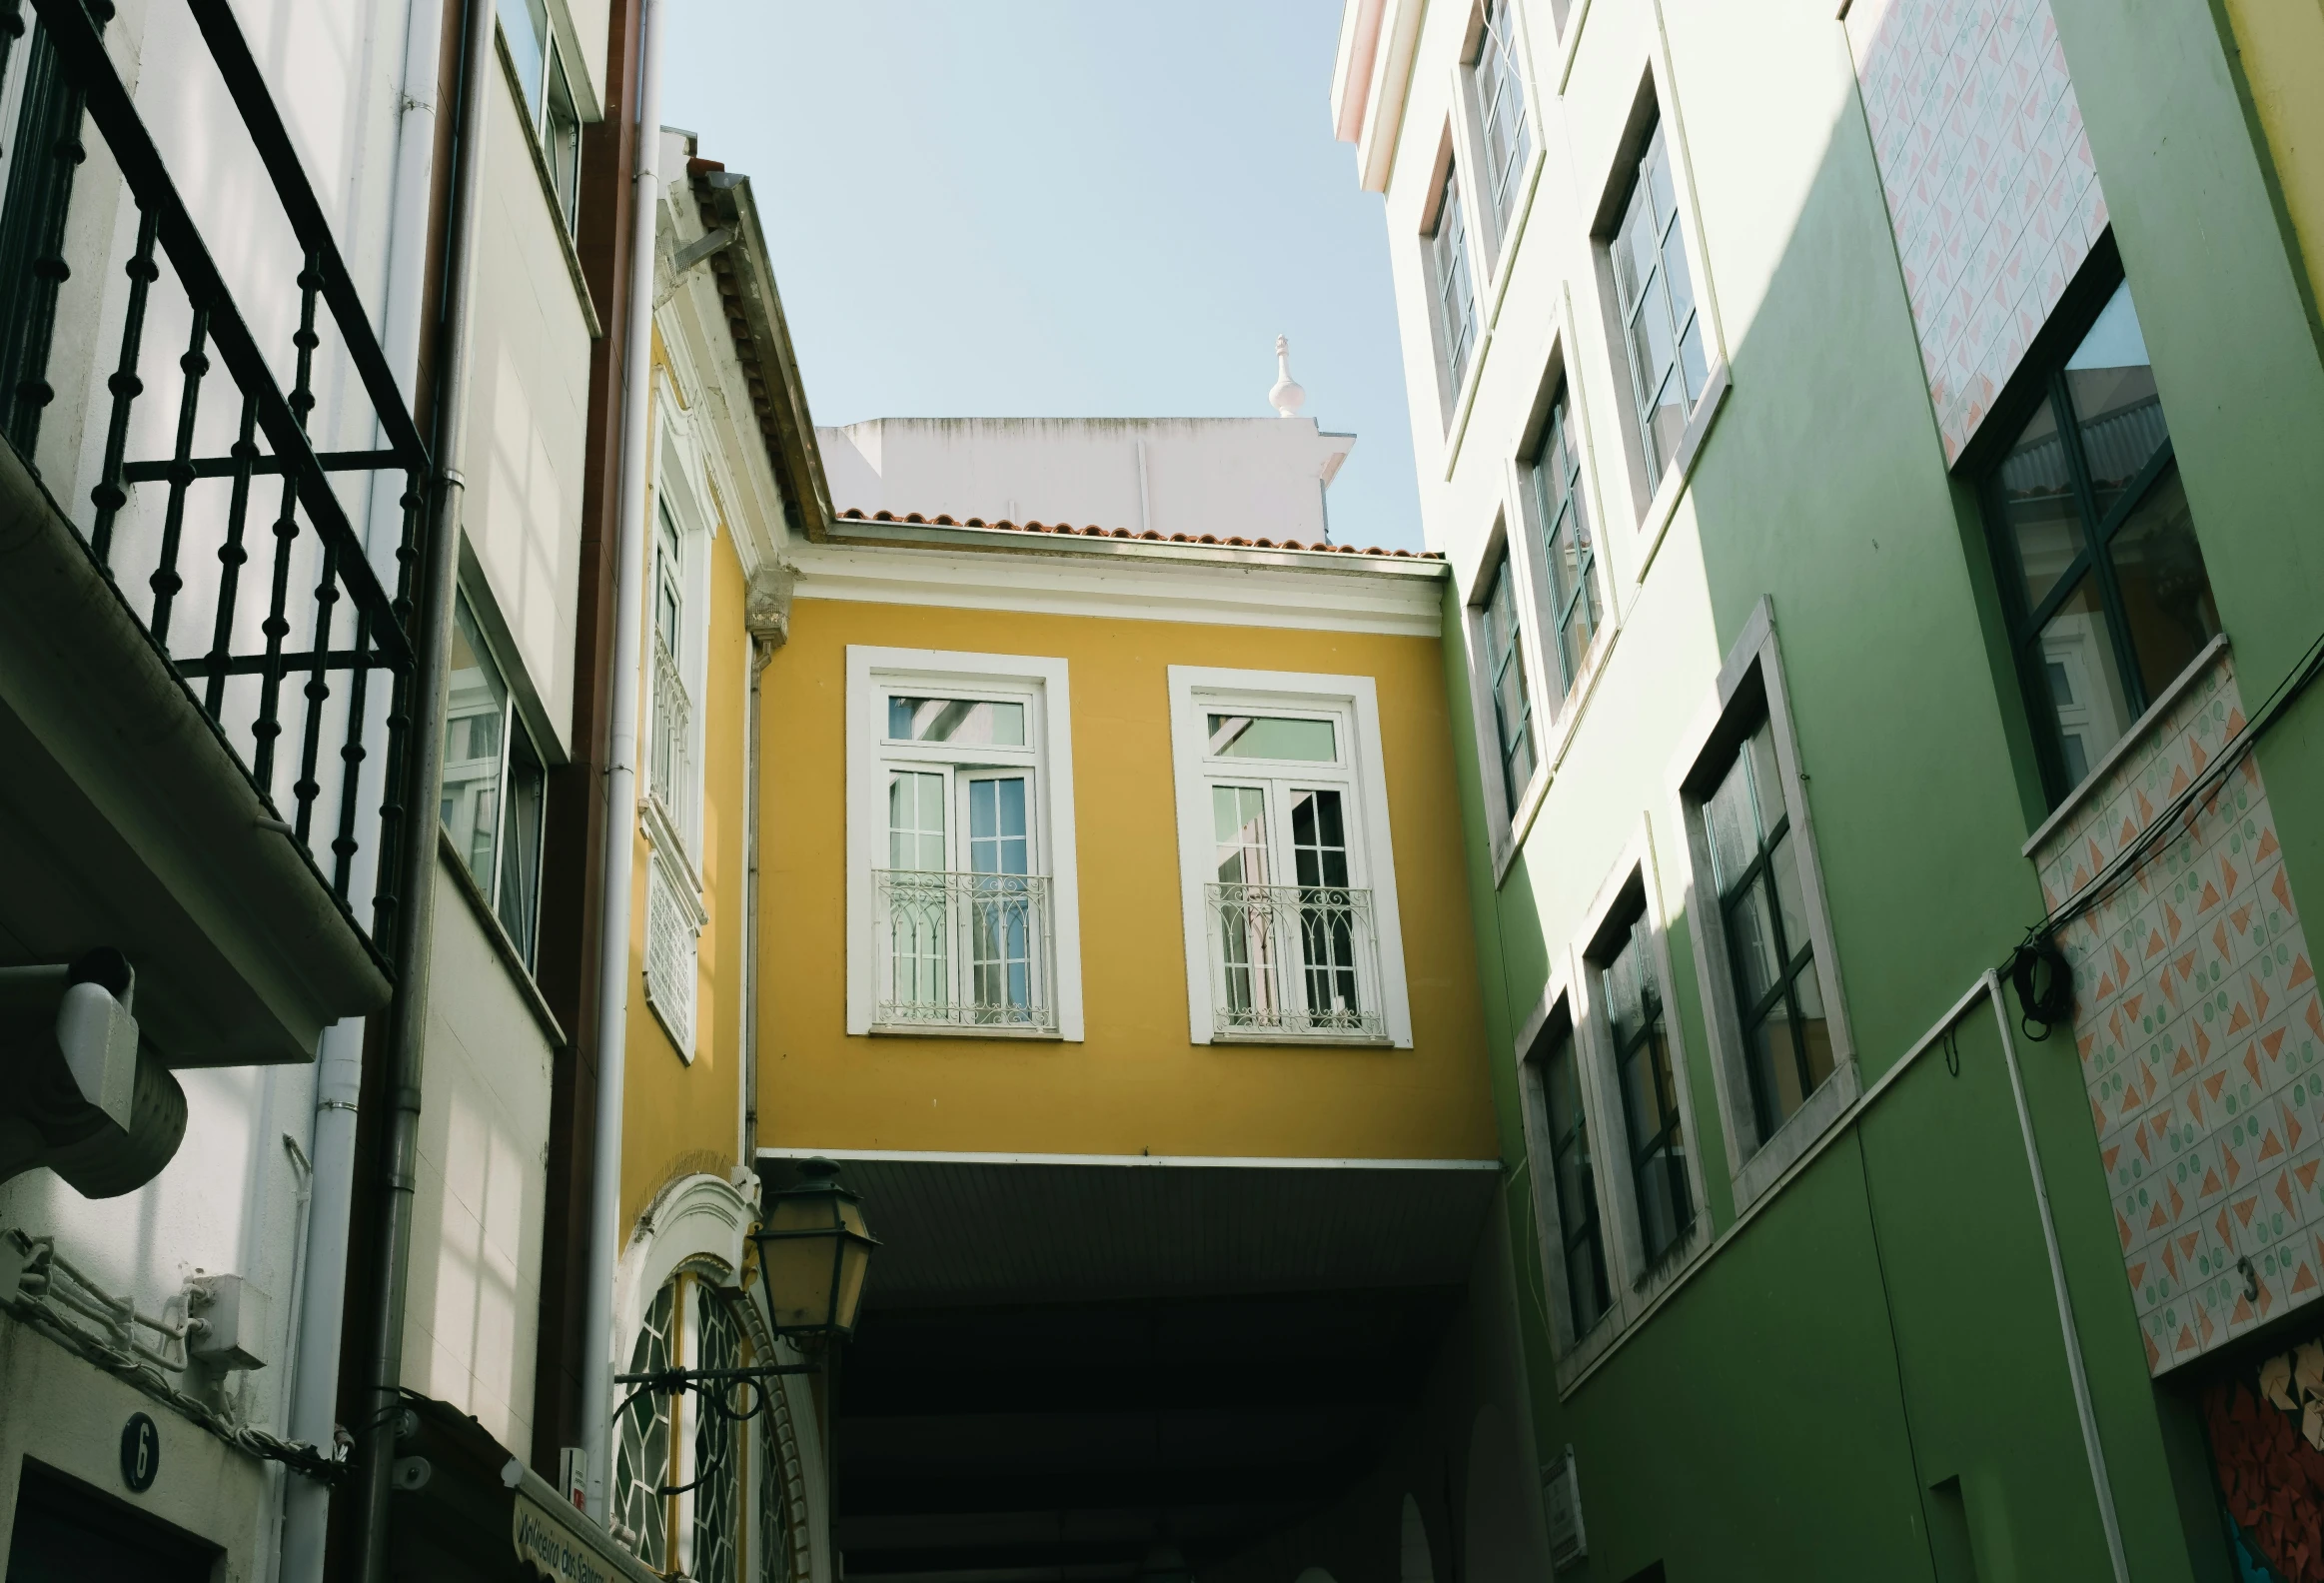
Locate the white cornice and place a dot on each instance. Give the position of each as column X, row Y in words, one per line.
column 1391, row 598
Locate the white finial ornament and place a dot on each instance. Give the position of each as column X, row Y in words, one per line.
column 1287, row 397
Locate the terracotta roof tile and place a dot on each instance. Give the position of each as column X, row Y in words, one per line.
column 857, row 514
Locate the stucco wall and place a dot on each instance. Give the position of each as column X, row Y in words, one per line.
column 1138, row 1083
column 470, row 1327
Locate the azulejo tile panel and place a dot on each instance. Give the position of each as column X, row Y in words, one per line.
column 2199, row 1030
column 1991, row 188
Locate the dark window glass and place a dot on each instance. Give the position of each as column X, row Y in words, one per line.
column 1650, row 1096
column 1588, row 1294
column 1660, row 330
column 1505, row 678
column 2101, row 566
column 1570, row 556
column 1754, row 861
column 1456, row 298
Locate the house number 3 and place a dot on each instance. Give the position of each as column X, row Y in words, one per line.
column 140, row 1453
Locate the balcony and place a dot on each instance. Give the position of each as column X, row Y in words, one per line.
column 966, row 951
column 1294, row 961
column 210, row 517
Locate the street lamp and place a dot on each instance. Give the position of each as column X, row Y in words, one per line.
column 813, row 1250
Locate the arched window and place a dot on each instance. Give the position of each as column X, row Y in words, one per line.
column 697, row 1490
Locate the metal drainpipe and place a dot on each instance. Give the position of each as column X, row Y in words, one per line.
column 2109, row 1518
column 407, row 1032
column 320, row 1313
column 596, row 1359
column 746, row 1142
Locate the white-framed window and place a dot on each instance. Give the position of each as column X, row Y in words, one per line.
column 675, row 661
column 1663, row 334
column 1505, row 665
column 548, row 101
column 1565, row 546
column 1451, row 285
column 1287, row 871
column 495, row 784
column 1496, row 89
column 1782, row 1058
column 674, row 918
column 962, row 912
column 1608, row 1120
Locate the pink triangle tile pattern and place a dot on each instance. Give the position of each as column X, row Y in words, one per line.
column 2200, row 1034
column 1991, row 188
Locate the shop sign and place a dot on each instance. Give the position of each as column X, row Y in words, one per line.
column 548, row 1544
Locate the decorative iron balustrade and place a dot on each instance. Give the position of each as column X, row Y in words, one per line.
column 671, row 765
column 1294, row 960
column 961, row 949
column 172, row 533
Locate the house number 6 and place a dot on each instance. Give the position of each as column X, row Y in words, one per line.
column 140, row 1453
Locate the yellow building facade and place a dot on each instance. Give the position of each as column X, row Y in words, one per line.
column 1095, row 900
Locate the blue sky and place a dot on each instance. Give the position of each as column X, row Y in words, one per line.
column 1061, row 208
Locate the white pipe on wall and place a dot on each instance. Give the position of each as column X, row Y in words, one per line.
column 339, row 1068
column 622, row 773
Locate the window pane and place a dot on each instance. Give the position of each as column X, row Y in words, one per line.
column 1814, row 1030
column 1733, row 826
column 1575, row 1179
column 1654, row 176
column 2166, row 595
column 561, row 141
column 1239, row 825
column 1456, row 317
column 1505, row 678
column 1777, row 1077
column 915, row 822
column 519, row 899
column 474, row 718
column 1502, row 105
column 2120, row 416
column 2087, row 700
column 1790, row 896
column 1319, row 841
column 524, row 24
column 996, row 826
column 1751, row 942
column 1573, row 587
column 1266, row 737
column 972, row 722
column 2037, row 503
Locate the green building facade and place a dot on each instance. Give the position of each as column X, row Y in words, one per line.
column 1878, row 457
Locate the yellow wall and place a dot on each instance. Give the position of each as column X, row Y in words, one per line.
column 679, row 1119
column 2282, row 44
column 1138, row 1083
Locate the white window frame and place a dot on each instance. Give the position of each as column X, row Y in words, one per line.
column 673, row 905
column 1506, row 822
column 1469, row 90
column 1636, row 1280
column 1757, row 1163
column 1565, row 991
column 873, row 673
column 1446, row 187
column 680, row 484
column 1352, row 701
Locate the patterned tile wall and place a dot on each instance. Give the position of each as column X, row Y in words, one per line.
column 1990, row 186
column 2200, row 1034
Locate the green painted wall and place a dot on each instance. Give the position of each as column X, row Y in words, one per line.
column 1887, row 1321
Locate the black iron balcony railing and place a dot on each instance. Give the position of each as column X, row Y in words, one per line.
column 250, row 617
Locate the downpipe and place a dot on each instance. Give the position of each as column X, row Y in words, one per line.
column 406, row 1031
column 320, row 1313
column 622, row 774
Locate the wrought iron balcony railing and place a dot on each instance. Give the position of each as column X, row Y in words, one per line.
column 1294, row 961
column 968, row 950
column 248, row 611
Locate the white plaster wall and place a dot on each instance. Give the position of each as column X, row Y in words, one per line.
column 528, row 415
column 470, row 1320
column 68, row 1415
column 1232, row 477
